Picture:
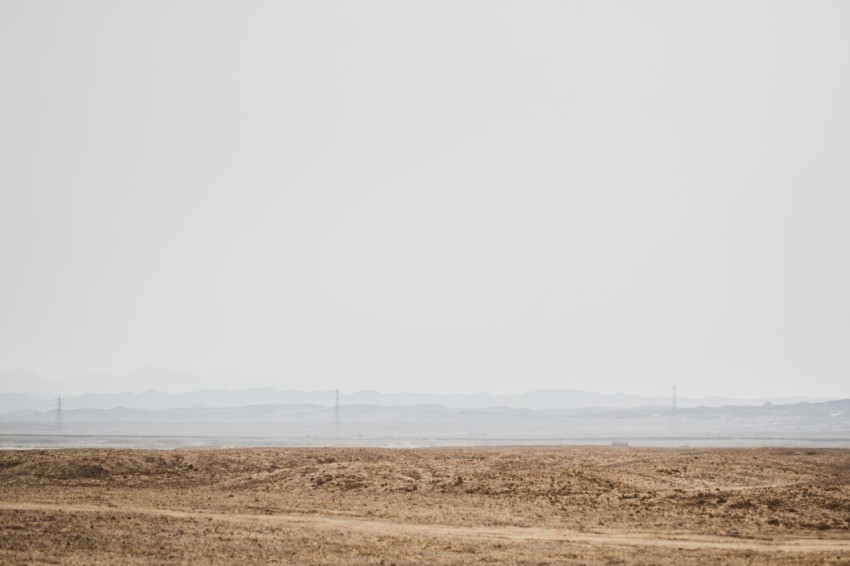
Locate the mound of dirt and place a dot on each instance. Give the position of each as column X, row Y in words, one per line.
column 425, row 505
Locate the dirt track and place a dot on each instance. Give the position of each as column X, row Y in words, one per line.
column 525, row 505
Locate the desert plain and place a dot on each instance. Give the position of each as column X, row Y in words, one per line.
column 520, row 505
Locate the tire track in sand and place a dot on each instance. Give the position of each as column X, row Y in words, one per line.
column 440, row 531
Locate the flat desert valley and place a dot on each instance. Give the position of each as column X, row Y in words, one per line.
column 524, row 505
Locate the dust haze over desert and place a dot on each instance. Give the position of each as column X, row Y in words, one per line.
column 447, row 197
column 359, row 264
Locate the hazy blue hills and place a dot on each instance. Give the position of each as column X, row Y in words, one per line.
column 152, row 388
column 294, row 417
column 543, row 399
column 806, row 423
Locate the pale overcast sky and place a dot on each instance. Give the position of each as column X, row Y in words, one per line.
column 431, row 196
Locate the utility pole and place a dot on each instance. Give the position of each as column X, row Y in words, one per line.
column 59, row 413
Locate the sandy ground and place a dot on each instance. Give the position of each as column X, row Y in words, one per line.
column 524, row 505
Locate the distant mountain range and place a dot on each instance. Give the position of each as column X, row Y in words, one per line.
column 27, row 391
column 22, row 381
column 825, row 424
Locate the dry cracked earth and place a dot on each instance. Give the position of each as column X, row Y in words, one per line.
column 583, row 505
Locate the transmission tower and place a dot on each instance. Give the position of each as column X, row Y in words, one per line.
column 59, row 413
column 336, row 414
column 674, row 414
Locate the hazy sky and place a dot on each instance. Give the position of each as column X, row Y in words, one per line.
column 433, row 196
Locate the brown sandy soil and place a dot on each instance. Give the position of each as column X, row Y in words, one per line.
column 372, row 506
